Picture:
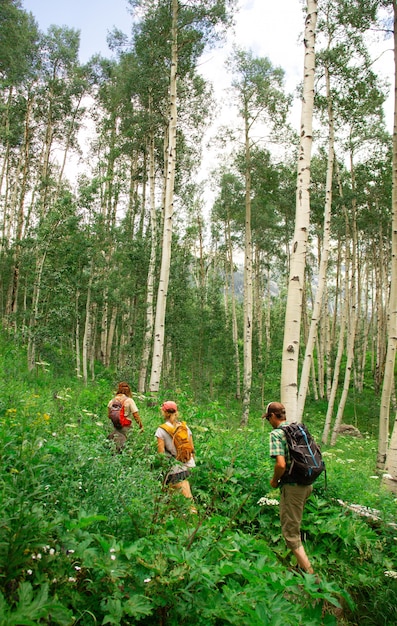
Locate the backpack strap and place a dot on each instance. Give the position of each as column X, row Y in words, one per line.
column 168, row 429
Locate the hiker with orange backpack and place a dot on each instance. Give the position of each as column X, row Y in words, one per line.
column 121, row 410
column 174, row 439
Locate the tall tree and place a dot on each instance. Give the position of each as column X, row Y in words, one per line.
column 391, row 457
column 190, row 26
column 292, row 329
column 258, row 88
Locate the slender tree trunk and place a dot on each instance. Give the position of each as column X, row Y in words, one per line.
column 77, row 335
column 147, row 340
column 87, row 329
column 292, row 328
column 229, row 247
column 351, row 296
column 338, row 360
column 247, row 375
column 385, row 454
column 110, row 337
column 31, row 352
column 159, row 326
column 322, row 278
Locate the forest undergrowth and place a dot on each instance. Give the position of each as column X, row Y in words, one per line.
column 91, row 537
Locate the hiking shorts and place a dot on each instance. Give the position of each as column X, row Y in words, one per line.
column 292, row 502
column 176, row 478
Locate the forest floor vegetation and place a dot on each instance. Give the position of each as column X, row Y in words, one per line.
column 91, row 537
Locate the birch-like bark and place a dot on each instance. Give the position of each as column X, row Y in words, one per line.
column 247, row 340
column 385, row 454
column 293, row 315
column 322, row 278
column 159, row 325
column 351, row 295
column 12, row 299
column 87, row 329
column 229, row 247
column 77, row 335
column 31, row 351
column 110, row 337
column 147, row 340
column 338, row 360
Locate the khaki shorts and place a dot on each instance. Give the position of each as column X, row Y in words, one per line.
column 292, row 502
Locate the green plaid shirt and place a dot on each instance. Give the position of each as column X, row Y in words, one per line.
column 278, row 443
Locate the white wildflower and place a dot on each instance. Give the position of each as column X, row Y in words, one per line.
column 29, row 571
column 391, row 574
column 71, row 579
column 76, row 567
column 268, row 501
column 147, row 580
column 52, row 551
column 113, row 557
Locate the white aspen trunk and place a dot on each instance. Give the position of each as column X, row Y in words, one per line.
column 31, row 351
column 147, row 340
column 367, row 323
column 247, row 331
column 104, row 324
column 110, row 339
column 12, row 300
column 338, row 360
column 93, row 337
column 322, row 278
column 293, row 315
column 87, row 329
column 390, row 455
column 349, row 364
column 229, row 247
column 350, row 296
column 327, row 351
column 159, row 325
column 390, row 476
column 77, row 336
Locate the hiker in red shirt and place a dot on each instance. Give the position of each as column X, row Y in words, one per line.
column 129, row 412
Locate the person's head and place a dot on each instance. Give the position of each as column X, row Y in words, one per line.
column 169, row 410
column 275, row 413
column 124, row 388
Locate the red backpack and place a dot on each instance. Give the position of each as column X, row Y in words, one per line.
column 116, row 414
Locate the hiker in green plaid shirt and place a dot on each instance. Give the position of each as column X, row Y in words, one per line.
column 293, row 496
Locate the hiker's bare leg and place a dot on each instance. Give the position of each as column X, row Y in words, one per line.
column 184, row 486
column 303, row 560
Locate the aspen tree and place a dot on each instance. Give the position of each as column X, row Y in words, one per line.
column 292, row 328
column 258, row 90
column 387, row 455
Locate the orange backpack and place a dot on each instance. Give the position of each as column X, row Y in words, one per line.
column 180, row 438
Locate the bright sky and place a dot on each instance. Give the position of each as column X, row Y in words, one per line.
column 256, row 27
column 269, row 29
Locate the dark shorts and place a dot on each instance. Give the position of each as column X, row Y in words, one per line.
column 176, row 478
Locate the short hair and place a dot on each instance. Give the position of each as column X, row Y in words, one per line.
column 277, row 409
